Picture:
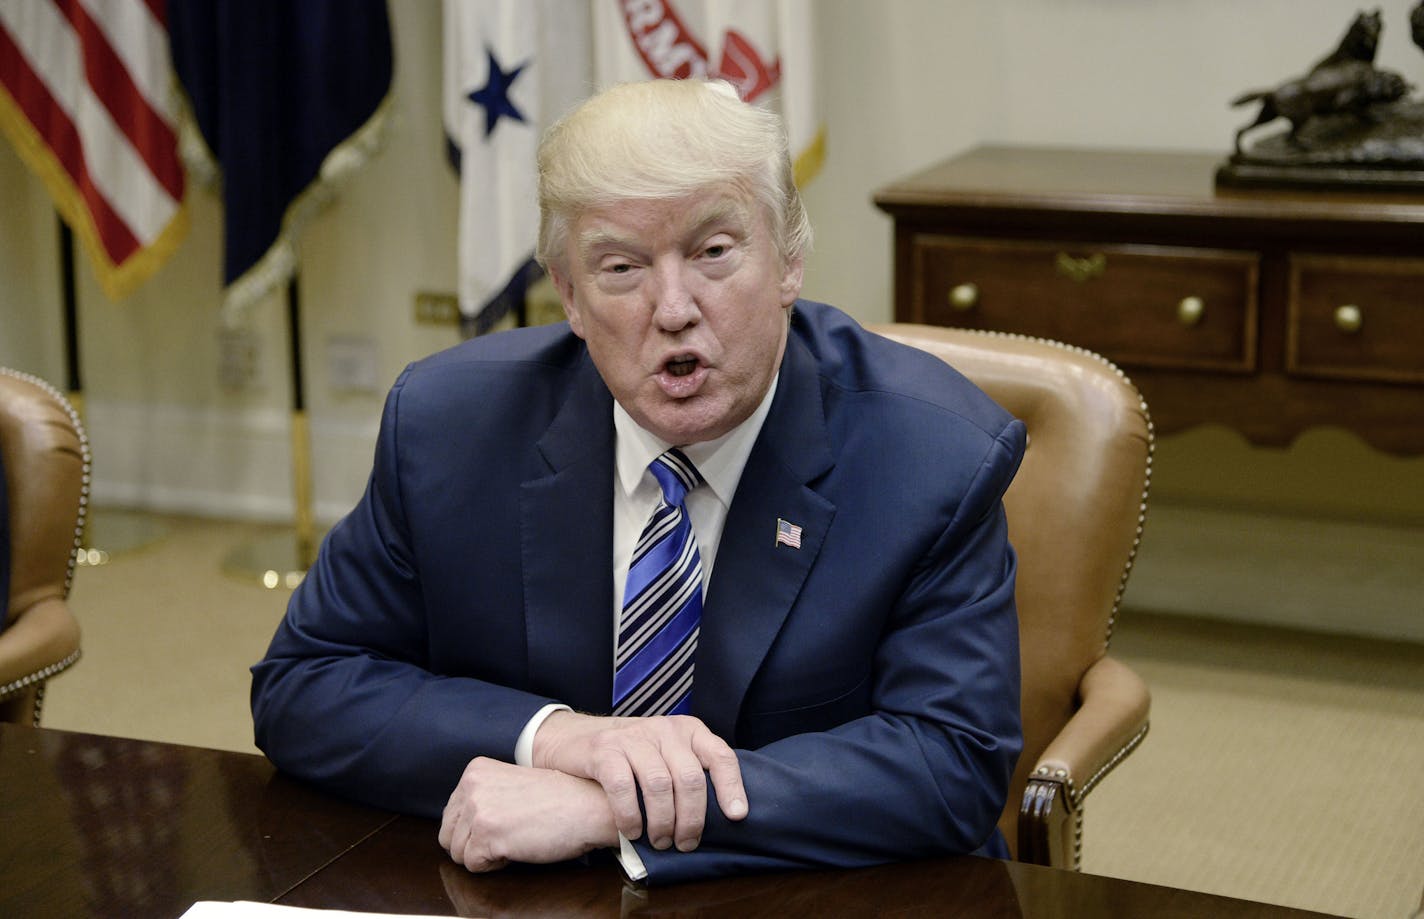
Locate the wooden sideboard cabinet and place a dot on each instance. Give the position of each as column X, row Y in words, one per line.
column 1267, row 311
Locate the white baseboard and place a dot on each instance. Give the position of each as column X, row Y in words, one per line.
column 1322, row 575
column 224, row 463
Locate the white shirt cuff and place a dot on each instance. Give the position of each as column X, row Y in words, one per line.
column 524, row 746
column 630, row 860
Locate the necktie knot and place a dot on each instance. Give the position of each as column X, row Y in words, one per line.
column 676, row 475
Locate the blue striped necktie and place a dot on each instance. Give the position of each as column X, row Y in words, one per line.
column 662, row 604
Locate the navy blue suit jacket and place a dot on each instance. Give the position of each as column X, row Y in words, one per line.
column 869, row 679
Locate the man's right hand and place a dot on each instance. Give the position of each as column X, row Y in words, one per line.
column 500, row 813
column 669, row 758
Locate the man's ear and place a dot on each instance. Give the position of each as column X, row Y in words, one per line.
column 566, row 297
column 791, row 280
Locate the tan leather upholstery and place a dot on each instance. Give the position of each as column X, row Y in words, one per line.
column 1075, row 514
column 46, row 479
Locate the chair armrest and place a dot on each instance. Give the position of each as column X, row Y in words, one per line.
column 1110, row 722
column 40, row 642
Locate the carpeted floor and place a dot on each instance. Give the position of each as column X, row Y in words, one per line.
column 1281, row 766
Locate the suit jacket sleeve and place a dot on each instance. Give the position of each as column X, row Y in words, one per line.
column 926, row 771
column 346, row 696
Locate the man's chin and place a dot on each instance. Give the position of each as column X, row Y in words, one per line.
column 689, row 421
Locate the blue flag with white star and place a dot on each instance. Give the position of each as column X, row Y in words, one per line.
column 511, row 68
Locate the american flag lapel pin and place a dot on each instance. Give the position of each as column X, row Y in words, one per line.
column 787, row 534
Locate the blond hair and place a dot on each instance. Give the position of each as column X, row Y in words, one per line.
column 663, row 139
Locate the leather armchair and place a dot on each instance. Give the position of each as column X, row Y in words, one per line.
column 46, row 462
column 1075, row 512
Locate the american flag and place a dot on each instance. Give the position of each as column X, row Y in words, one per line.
column 87, row 98
column 787, row 534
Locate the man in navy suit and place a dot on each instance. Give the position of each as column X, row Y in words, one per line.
column 854, row 683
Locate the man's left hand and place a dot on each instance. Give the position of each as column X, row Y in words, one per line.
column 669, row 759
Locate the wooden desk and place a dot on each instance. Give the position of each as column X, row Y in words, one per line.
column 1267, row 311
column 102, row 826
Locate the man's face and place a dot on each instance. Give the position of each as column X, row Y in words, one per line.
column 682, row 304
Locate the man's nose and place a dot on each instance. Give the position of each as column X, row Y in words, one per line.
column 674, row 298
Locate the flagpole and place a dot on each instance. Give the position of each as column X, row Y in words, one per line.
column 301, row 435
column 71, row 316
column 282, row 560
column 116, row 531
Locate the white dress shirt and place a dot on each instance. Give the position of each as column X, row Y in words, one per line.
column 636, row 494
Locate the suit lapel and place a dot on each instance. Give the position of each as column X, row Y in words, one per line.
column 756, row 581
column 566, row 544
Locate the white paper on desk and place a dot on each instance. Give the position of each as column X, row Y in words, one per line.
column 210, row 909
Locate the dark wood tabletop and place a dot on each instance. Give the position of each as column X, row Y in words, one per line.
column 106, row 826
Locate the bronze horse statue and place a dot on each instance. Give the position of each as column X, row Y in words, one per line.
column 1344, row 81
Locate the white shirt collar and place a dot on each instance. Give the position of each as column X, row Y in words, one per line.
column 720, row 461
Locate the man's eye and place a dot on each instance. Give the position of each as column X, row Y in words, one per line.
column 620, row 268
column 716, row 251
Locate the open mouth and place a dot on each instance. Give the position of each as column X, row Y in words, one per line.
column 681, row 366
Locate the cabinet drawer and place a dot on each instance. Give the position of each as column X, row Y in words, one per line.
column 1356, row 318
column 1152, row 306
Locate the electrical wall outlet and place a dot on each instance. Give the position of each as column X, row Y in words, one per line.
column 433, row 308
column 351, row 363
column 239, row 358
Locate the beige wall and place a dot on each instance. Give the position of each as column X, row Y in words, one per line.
column 906, row 82
column 912, row 82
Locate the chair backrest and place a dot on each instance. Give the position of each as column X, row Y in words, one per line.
column 1075, row 509
column 46, row 461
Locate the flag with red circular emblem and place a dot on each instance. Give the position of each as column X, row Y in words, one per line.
column 762, row 47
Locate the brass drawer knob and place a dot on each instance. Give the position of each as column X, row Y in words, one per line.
column 1190, row 310
column 1348, row 318
column 964, row 297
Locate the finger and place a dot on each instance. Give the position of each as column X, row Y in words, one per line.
column 612, row 770
column 449, row 819
column 484, row 865
column 689, row 795
column 446, row 829
column 655, row 780
column 720, row 761
column 465, row 851
column 454, row 838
